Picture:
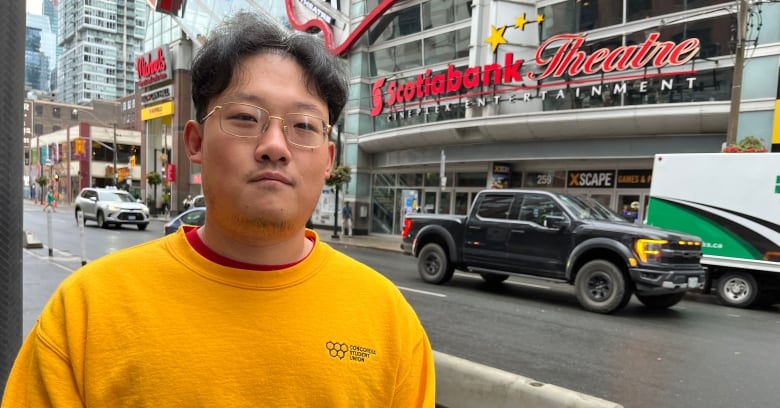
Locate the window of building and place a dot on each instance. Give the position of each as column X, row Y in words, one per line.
column 55, row 111
column 578, row 16
column 471, row 180
column 440, row 12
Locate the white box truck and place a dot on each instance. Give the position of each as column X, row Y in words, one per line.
column 731, row 201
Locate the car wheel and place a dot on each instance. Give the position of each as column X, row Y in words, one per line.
column 433, row 265
column 494, row 278
column 601, row 287
column 142, row 226
column 737, row 289
column 101, row 220
column 661, row 301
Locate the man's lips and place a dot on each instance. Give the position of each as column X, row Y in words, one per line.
column 270, row 176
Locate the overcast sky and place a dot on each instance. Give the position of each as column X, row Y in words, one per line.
column 34, row 7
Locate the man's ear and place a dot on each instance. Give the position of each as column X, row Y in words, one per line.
column 331, row 156
column 193, row 140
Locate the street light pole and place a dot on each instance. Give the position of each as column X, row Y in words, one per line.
column 116, row 179
column 736, row 81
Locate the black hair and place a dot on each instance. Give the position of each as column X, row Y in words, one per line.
column 247, row 34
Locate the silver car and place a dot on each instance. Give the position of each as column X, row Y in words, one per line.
column 110, row 206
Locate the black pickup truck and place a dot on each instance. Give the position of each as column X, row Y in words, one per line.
column 560, row 237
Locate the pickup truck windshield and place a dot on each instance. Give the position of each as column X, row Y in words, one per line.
column 587, row 208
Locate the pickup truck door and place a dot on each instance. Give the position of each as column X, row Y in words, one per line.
column 533, row 246
column 487, row 230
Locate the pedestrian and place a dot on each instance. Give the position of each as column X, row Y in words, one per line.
column 250, row 309
column 187, row 202
column 346, row 220
column 50, row 201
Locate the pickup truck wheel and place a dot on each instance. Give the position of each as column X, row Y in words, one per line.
column 737, row 289
column 494, row 278
column 661, row 301
column 433, row 265
column 601, row 287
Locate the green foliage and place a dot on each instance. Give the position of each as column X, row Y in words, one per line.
column 154, row 178
column 339, row 176
column 749, row 144
column 42, row 181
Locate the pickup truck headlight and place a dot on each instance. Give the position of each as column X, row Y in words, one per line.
column 649, row 250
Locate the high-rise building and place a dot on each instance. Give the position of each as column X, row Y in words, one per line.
column 40, row 53
column 100, row 41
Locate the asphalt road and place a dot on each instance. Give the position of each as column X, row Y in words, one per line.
column 694, row 354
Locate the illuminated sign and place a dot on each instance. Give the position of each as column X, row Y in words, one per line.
column 568, row 60
column 154, row 67
column 317, row 11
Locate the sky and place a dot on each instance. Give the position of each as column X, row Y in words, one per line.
column 34, row 7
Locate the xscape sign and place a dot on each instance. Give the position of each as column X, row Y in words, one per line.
column 567, row 59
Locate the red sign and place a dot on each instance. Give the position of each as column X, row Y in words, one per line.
column 567, row 60
column 170, row 172
column 153, row 67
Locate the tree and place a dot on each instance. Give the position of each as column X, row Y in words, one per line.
column 42, row 181
column 154, row 179
column 339, row 176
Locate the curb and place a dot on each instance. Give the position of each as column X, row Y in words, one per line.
column 462, row 384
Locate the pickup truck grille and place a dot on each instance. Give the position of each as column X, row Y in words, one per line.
column 682, row 254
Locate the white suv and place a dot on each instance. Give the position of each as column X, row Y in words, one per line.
column 110, row 206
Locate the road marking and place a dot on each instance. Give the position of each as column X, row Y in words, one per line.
column 424, row 292
column 508, row 281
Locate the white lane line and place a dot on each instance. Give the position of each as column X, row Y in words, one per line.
column 509, row 282
column 424, row 292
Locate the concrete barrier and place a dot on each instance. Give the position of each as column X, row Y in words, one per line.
column 30, row 241
column 465, row 384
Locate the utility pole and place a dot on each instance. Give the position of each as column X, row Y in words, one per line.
column 116, row 179
column 739, row 63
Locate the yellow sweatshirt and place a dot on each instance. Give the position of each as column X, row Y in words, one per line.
column 159, row 325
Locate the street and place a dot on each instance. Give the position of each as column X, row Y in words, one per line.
column 694, row 354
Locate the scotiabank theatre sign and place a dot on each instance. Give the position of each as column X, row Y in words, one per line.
column 557, row 60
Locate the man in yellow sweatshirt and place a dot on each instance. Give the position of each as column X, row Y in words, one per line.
column 252, row 309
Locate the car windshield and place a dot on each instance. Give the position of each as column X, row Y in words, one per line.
column 587, row 208
column 115, row 196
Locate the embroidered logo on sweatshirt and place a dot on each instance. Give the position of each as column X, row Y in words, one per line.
column 358, row 354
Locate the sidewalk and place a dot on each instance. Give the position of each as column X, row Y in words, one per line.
column 378, row 241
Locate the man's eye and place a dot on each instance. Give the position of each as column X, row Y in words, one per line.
column 244, row 117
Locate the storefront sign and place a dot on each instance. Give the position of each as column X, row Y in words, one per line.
column 154, row 67
column 501, row 174
column 317, row 11
column 545, row 179
column 591, row 179
column 157, row 95
column 568, row 60
column 157, row 111
column 634, row 178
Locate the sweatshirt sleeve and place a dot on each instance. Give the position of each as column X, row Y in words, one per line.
column 41, row 377
column 417, row 388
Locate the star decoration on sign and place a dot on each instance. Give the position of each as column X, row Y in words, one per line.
column 496, row 37
column 497, row 34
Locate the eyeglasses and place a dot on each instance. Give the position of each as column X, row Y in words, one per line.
column 247, row 121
